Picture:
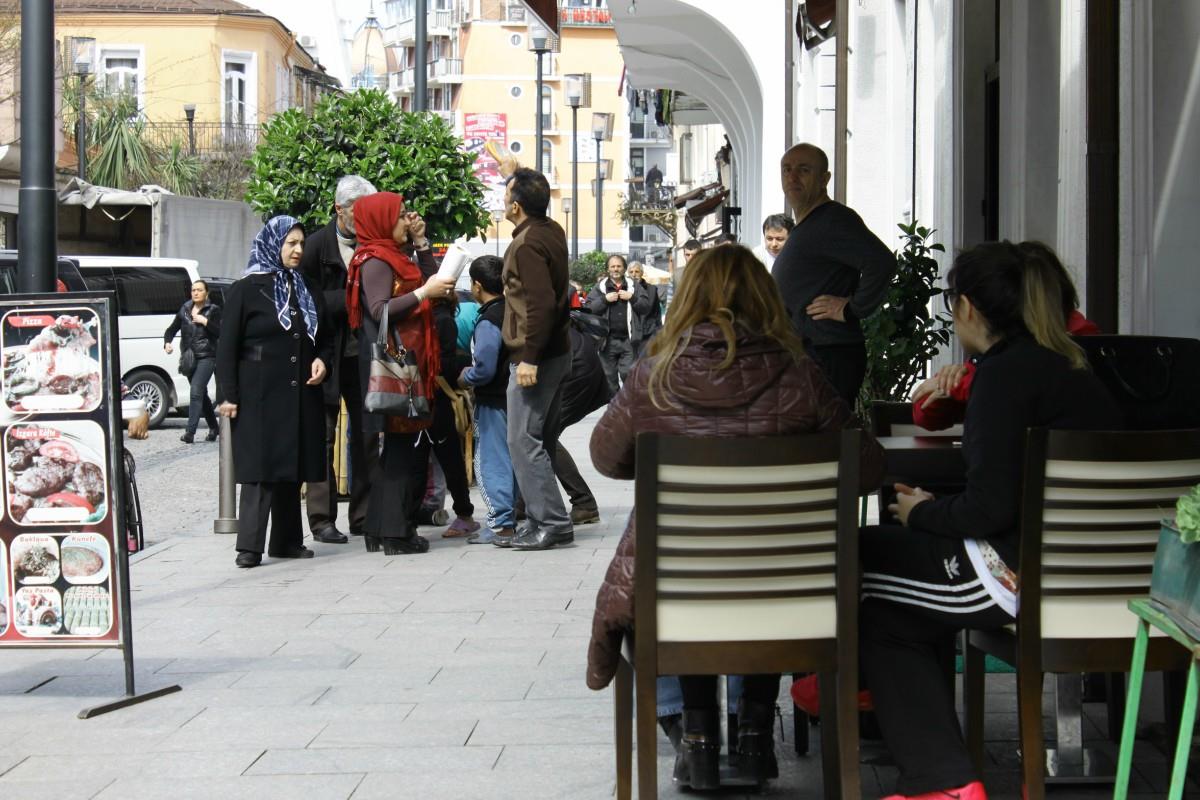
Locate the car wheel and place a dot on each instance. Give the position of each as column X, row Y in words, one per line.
column 152, row 390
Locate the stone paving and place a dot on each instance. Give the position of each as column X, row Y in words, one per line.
column 454, row 674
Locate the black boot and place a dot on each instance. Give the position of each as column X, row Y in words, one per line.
column 756, row 746
column 700, row 749
column 672, row 726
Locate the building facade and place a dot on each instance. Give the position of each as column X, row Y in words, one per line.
column 481, row 80
column 232, row 65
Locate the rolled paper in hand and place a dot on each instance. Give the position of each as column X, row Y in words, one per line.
column 454, row 262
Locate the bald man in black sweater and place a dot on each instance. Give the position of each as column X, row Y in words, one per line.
column 832, row 272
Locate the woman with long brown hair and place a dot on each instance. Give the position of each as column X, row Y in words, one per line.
column 727, row 363
column 383, row 275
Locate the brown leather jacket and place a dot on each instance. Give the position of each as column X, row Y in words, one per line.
column 765, row 392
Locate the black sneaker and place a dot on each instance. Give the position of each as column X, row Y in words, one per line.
column 187, row 438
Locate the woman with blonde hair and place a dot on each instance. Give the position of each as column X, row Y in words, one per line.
column 727, row 363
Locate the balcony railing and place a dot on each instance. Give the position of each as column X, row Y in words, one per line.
column 443, row 70
column 209, row 137
column 438, row 22
column 652, row 197
column 447, row 70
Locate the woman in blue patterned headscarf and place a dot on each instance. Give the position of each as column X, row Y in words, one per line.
column 270, row 361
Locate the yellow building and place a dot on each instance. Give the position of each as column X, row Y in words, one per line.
column 233, row 65
column 480, row 64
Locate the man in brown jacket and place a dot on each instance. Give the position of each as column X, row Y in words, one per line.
column 536, row 319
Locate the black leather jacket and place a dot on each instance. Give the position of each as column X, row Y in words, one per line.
column 201, row 339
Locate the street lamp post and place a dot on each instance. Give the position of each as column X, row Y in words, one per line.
column 541, row 41
column 579, row 95
column 497, row 216
column 83, row 66
column 421, row 58
column 602, row 125
column 189, row 111
column 37, row 224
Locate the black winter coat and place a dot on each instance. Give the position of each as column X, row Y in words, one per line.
column 279, row 430
column 200, row 339
column 586, row 387
column 322, row 264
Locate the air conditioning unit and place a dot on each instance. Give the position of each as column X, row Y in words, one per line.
column 308, row 42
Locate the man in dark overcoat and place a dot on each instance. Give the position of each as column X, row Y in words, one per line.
column 327, row 254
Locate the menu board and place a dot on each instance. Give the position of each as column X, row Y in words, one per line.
column 62, row 553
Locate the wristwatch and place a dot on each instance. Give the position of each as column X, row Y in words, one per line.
column 424, row 245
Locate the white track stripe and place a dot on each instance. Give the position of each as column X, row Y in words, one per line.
column 945, row 609
column 880, row 587
column 937, row 587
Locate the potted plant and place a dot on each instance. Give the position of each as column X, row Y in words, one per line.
column 1175, row 582
column 903, row 335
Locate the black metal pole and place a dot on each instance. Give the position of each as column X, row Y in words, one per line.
column 539, row 132
column 421, row 65
column 191, row 137
column 37, row 225
column 575, row 182
column 81, row 129
column 599, row 200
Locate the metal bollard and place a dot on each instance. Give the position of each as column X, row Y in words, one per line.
column 227, row 496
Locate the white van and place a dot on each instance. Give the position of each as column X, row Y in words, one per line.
column 149, row 293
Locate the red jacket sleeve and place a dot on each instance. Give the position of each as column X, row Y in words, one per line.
column 937, row 415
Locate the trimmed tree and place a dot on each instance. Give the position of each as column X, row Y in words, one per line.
column 298, row 163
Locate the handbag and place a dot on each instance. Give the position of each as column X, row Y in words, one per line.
column 187, row 362
column 1154, row 379
column 395, row 386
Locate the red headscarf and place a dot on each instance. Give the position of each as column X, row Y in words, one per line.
column 375, row 217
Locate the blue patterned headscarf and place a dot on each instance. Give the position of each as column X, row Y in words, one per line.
column 266, row 255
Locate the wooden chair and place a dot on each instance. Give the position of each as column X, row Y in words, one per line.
column 747, row 563
column 1090, row 510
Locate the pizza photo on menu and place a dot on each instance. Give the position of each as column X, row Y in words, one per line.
column 51, row 360
column 55, row 473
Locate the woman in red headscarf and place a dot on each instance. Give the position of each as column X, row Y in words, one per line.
column 384, row 274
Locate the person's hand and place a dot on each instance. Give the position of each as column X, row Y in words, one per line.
column 948, row 377
column 169, row 348
column 416, row 230
column 612, row 296
column 625, row 295
column 526, row 374
column 508, row 165
column 198, row 318
column 907, row 498
column 437, row 286
column 139, row 427
column 318, row 372
column 827, row 306
column 227, row 409
column 462, row 379
column 928, row 392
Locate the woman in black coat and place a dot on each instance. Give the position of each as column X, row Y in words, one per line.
column 270, row 361
column 200, row 323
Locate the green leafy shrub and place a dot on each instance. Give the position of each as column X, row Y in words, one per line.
column 586, row 269
column 902, row 336
column 1187, row 516
column 297, row 164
